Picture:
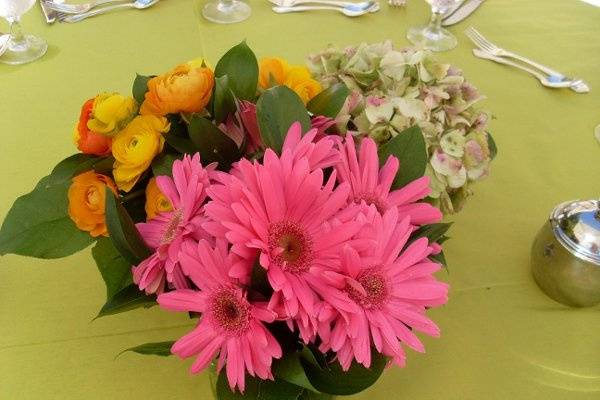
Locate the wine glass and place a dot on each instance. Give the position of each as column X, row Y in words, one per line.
column 433, row 36
column 21, row 48
column 226, row 11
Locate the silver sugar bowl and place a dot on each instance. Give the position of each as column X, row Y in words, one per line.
column 565, row 257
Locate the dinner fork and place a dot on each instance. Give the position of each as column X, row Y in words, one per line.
column 485, row 45
column 79, row 8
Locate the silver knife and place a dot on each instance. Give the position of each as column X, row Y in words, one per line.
column 463, row 12
column 49, row 13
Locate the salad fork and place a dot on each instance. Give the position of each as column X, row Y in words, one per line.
column 550, row 81
column 553, row 76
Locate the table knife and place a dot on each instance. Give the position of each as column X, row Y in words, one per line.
column 49, row 13
column 463, row 12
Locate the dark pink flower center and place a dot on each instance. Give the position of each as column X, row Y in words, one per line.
column 375, row 288
column 290, row 247
column 229, row 312
column 171, row 228
column 371, row 199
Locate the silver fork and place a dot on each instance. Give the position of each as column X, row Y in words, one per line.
column 78, row 8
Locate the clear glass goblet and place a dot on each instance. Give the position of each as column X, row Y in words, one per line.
column 21, row 48
column 226, row 11
column 433, row 36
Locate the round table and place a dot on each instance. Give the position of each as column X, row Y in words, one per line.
column 502, row 338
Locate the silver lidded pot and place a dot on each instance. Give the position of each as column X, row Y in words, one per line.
column 565, row 257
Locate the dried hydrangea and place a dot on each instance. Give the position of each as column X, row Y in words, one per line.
column 393, row 90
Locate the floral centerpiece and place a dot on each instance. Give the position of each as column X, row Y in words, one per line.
column 393, row 90
column 307, row 258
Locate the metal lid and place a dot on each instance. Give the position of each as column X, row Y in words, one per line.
column 576, row 225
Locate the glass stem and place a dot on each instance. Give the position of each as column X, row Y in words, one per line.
column 225, row 5
column 16, row 33
column 435, row 25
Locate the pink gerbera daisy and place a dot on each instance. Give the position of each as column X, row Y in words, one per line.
column 372, row 185
column 320, row 153
column 392, row 286
column 281, row 212
column 168, row 232
column 230, row 325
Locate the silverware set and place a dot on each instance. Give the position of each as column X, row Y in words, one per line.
column 455, row 14
column 63, row 12
column 546, row 75
column 348, row 8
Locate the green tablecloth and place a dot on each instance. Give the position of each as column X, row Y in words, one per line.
column 502, row 338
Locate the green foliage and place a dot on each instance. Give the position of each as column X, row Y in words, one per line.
column 212, row 143
column 333, row 380
column 492, row 146
column 140, row 87
column 240, row 66
column 38, row 224
column 258, row 389
column 223, row 100
column 162, row 349
column 433, row 232
column 411, row 150
column 127, row 299
column 123, row 232
column 115, row 270
column 277, row 109
column 163, row 164
column 330, row 101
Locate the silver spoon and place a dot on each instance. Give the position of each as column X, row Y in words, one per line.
column 138, row 4
column 348, row 10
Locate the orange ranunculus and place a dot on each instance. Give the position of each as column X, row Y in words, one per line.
column 272, row 70
column 187, row 88
column 300, row 81
column 87, row 141
column 156, row 201
column 86, row 202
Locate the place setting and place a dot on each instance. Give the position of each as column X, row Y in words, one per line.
column 298, row 218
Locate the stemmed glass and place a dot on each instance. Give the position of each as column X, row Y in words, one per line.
column 21, row 48
column 226, row 11
column 433, row 36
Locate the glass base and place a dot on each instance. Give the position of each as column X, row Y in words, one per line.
column 25, row 51
column 226, row 12
column 432, row 39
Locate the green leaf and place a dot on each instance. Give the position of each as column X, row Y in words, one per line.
column 115, row 270
column 163, row 164
column 334, row 380
column 330, row 101
column 492, row 146
column 289, row 368
column 241, row 68
column 411, row 150
column 277, row 109
column 140, row 87
column 439, row 258
column 123, row 232
column 258, row 389
column 38, row 224
column 127, row 299
column 178, row 138
column 223, row 99
column 433, row 232
column 162, row 349
column 213, row 144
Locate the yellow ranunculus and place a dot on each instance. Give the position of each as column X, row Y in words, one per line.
column 300, row 81
column 272, row 70
column 187, row 88
column 156, row 201
column 135, row 147
column 111, row 112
